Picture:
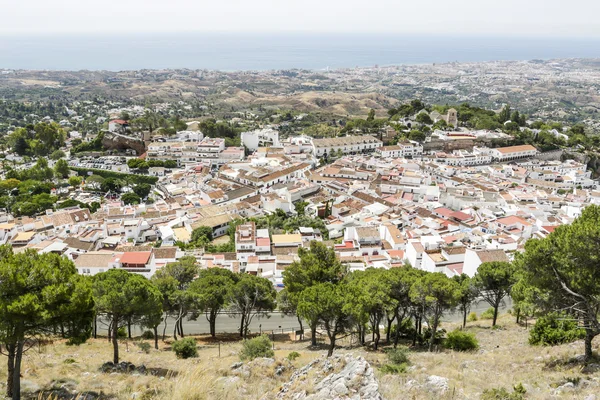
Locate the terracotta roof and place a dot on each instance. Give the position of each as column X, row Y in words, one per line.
column 492, row 255
column 165, row 252
column 136, row 257
column 516, row 149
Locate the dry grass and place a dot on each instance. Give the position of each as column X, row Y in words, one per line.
column 504, row 360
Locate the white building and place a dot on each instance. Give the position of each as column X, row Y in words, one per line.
column 407, row 149
column 260, row 138
column 346, row 145
column 513, row 152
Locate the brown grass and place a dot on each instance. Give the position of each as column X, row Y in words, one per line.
column 504, row 359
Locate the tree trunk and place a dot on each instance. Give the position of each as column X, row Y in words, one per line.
column 301, row 326
column 16, row 382
column 109, row 332
column 433, row 331
column 242, row 325
column 495, row 314
column 156, row 337
column 518, row 314
column 129, row 329
column 464, row 318
column 388, row 330
column 10, row 349
column 212, row 322
column 313, row 334
column 589, row 336
column 181, row 326
column 115, row 341
column 416, row 331
column 165, row 329
column 95, row 327
column 397, row 333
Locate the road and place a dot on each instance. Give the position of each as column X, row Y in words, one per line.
column 276, row 321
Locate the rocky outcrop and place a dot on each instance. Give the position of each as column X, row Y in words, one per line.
column 341, row 377
column 116, row 141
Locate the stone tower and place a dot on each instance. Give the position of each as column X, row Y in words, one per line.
column 452, row 117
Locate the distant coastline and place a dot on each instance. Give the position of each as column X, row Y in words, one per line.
column 234, row 52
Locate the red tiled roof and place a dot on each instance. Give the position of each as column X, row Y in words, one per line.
column 461, row 216
column 263, row 242
column 136, row 257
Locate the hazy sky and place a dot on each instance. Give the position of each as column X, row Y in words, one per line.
column 559, row 18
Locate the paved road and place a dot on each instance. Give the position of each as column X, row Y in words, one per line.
column 276, row 322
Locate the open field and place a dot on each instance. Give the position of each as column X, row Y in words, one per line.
column 504, row 359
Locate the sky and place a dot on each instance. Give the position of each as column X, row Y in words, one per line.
column 521, row 18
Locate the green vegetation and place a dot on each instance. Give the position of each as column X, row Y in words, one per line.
column 131, row 179
column 124, row 297
column 251, row 296
column 293, row 355
column 40, row 293
column 518, row 393
column 40, row 139
column 563, row 268
column 555, row 328
column 461, row 341
column 494, row 280
column 398, row 361
column 185, row 348
column 92, row 145
column 259, row 346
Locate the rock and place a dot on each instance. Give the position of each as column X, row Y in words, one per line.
column 135, row 395
column 280, row 370
column 565, row 387
column 263, row 362
column 29, row 386
column 590, row 397
column 236, row 365
column 435, row 383
column 107, row 367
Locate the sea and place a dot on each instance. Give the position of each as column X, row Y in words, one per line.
column 237, row 51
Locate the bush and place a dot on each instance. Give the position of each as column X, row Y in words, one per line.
column 472, row 317
column 69, row 361
column 147, row 335
column 392, row 369
column 185, row 348
column 503, row 394
column 398, row 356
column 145, row 347
column 461, row 341
column 122, row 333
column 398, row 361
column 260, row 346
column 293, row 355
column 488, row 314
column 555, row 328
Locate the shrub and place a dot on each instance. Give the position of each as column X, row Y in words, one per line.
column 488, row 314
column 407, row 328
column 147, row 335
column 122, row 333
column 472, row 317
column 145, row 347
column 260, row 346
column 69, row 361
column 555, row 328
column 503, row 394
column 392, row 369
column 461, row 341
column 185, row 348
column 398, row 356
column 293, row 355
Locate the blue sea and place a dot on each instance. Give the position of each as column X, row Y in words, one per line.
column 238, row 51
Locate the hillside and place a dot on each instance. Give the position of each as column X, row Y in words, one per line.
column 504, row 359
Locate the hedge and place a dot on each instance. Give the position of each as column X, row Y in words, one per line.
column 129, row 178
